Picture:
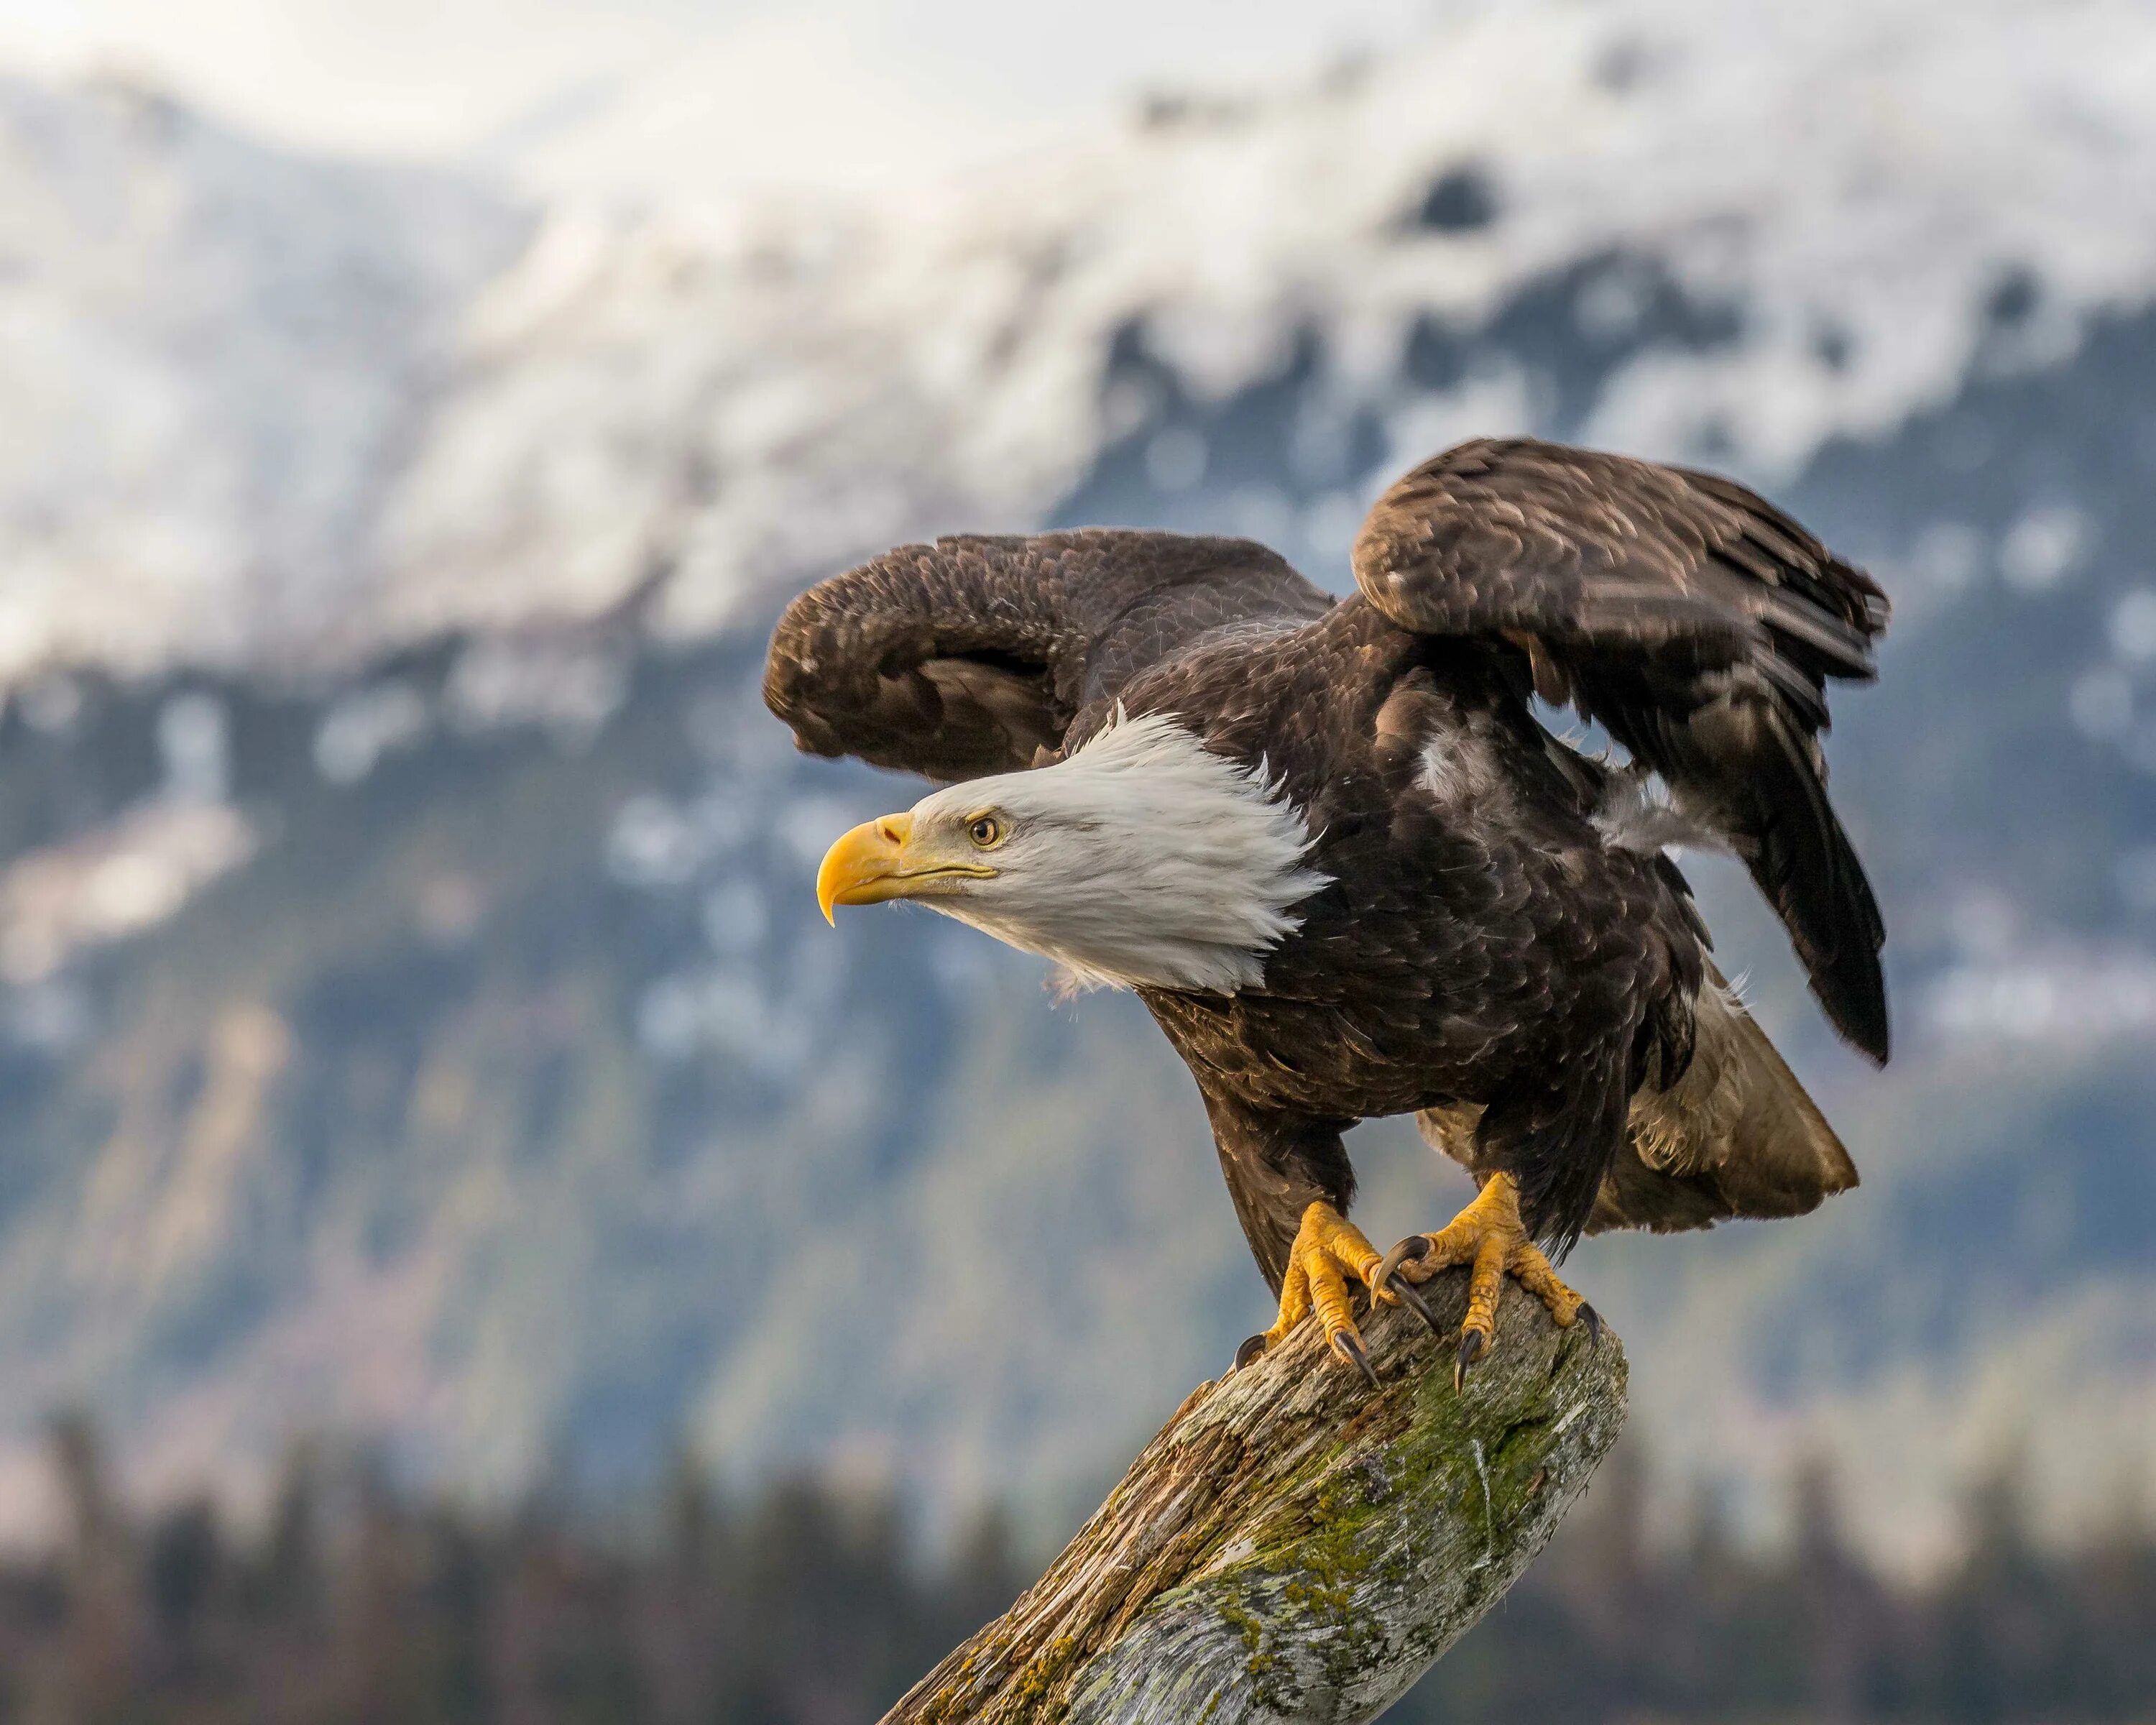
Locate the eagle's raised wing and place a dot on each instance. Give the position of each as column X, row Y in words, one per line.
column 1697, row 623
column 971, row 656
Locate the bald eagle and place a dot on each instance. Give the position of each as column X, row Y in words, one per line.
column 1349, row 871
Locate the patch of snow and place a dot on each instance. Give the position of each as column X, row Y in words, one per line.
column 2061, row 994
column 2042, row 548
column 361, row 728
column 115, row 881
column 569, row 688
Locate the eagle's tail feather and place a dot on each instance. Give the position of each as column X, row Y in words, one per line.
column 1736, row 1135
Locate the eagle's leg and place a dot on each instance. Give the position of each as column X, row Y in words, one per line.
column 1490, row 1235
column 1329, row 1251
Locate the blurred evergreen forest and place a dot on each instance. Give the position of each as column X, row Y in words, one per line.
column 352, row 1600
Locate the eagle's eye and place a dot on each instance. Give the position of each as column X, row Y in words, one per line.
column 986, row 832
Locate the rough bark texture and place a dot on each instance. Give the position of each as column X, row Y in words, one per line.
column 1295, row 1546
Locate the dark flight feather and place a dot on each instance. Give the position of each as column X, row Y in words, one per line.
column 972, row 654
column 1697, row 622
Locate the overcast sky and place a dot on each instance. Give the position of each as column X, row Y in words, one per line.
column 677, row 97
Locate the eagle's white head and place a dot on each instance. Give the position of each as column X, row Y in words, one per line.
column 1144, row 861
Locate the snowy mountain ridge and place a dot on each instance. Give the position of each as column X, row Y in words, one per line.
column 341, row 407
column 212, row 359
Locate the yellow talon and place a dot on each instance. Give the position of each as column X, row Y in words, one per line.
column 1328, row 1250
column 1489, row 1235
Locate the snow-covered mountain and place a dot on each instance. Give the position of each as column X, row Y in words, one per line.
column 214, row 360
column 414, row 1015
column 344, row 405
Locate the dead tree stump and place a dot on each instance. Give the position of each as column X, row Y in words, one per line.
column 1295, row 1546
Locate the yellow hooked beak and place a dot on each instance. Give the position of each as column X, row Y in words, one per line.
column 873, row 863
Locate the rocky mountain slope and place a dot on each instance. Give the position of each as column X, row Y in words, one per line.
column 415, row 1016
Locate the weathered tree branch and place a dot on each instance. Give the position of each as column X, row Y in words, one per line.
column 1293, row 1546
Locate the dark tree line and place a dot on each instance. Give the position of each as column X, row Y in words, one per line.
column 1608, row 1625
column 355, row 1602
column 351, row 1601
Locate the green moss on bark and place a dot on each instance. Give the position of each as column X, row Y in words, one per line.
column 1294, row 1546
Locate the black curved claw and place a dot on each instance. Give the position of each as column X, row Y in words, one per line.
column 1350, row 1351
column 1415, row 1245
column 1415, row 1303
column 1593, row 1322
column 1473, row 1345
column 1254, row 1348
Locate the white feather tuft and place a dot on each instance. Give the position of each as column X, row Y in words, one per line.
column 1639, row 811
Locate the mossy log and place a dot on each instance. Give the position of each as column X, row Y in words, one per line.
column 1293, row 1545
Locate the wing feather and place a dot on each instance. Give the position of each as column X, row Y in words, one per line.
column 975, row 655
column 1697, row 622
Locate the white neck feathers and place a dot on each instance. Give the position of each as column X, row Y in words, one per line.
column 1143, row 861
